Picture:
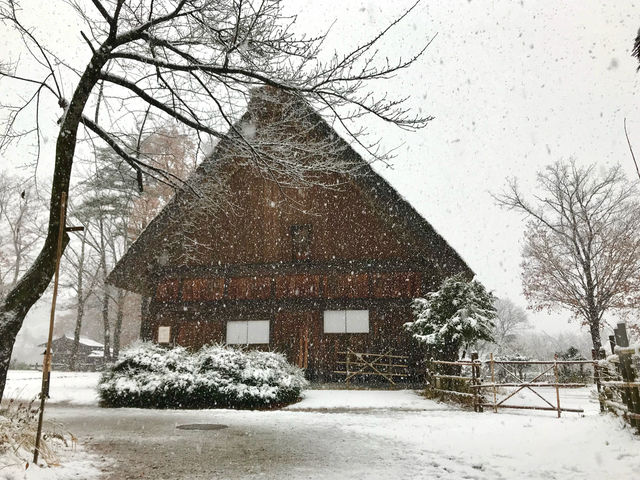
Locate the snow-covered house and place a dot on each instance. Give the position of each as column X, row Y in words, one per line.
column 306, row 271
column 90, row 354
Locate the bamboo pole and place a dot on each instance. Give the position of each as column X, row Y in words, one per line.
column 555, row 373
column 529, row 407
column 495, row 389
column 543, row 362
column 535, row 385
column 46, row 365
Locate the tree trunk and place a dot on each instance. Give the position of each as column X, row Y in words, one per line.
column 105, row 325
column 34, row 282
column 121, row 298
column 21, row 298
column 76, row 333
column 105, row 293
column 80, row 306
column 594, row 329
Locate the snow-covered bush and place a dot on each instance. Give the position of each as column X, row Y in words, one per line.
column 459, row 314
column 149, row 376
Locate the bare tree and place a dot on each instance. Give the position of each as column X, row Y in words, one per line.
column 510, row 322
column 80, row 266
column 582, row 245
column 195, row 61
column 20, row 228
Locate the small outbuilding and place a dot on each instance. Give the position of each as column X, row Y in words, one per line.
column 311, row 271
column 90, row 354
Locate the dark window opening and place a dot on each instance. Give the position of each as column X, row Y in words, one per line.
column 301, row 242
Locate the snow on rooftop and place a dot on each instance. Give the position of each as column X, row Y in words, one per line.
column 85, row 340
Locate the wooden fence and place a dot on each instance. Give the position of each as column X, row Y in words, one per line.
column 475, row 382
column 384, row 365
column 620, row 390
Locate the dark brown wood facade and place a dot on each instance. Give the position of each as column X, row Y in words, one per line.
column 286, row 256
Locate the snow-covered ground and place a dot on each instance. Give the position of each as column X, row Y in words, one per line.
column 345, row 434
column 76, row 388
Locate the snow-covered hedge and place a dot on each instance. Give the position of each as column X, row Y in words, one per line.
column 149, row 376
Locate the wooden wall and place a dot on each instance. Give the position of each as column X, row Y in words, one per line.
column 293, row 285
column 257, row 229
column 296, row 330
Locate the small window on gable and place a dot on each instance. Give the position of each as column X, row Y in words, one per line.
column 164, row 334
column 248, row 332
column 301, row 242
column 346, row 321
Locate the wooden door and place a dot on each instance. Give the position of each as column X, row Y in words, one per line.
column 294, row 335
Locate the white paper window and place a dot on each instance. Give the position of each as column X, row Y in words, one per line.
column 164, row 334
column 346, row 321
column 258, row 331
column 357, row 321
column 237, row 333
column 247, row 332
column 335, row 321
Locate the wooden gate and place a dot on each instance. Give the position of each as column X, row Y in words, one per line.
column 384, row 365
column 479, row 381
column 517, row 384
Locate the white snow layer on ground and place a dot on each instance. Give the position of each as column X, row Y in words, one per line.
column 76, row 388
column 363, row 399
column 76, row 464
column 349, row 434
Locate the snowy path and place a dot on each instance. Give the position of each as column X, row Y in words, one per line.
column 378, row 444
column 339, row 434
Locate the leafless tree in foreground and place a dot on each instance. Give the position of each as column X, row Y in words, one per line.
column 194, row 61
column 582, row 244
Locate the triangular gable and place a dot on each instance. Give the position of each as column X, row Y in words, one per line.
column 135, row 269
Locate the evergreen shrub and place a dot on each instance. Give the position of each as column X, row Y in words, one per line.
column 217, row 376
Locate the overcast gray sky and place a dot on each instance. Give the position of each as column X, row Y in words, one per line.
column 514, row 86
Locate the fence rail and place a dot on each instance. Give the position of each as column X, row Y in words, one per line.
column 620, row 392
column 465, row 379
column 384, row 365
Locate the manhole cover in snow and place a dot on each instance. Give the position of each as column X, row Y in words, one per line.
column 202, row 426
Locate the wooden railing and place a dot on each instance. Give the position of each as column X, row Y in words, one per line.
column 384, row 365
column 477, row 382
column 620, row 393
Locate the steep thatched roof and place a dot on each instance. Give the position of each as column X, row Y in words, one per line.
column 135, row 269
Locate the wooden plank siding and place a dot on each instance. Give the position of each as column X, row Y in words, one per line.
column 357, row 285
column 296, row 330
column 259, row 227
column 197, row 310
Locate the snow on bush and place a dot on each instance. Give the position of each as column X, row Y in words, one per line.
column 150, row 376
column 459, row 314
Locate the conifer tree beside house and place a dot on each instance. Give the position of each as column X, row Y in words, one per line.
column 456, row 316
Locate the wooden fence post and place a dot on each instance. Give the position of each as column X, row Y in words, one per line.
column 493, row 381
column 555, row 373
column 476, row 404
column 596, row 376
column 632, row 397
column 348, row 364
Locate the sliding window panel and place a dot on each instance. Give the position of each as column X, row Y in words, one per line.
column 258, row 331
column 236, row 333
column 335, row 321
column 357, row 321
